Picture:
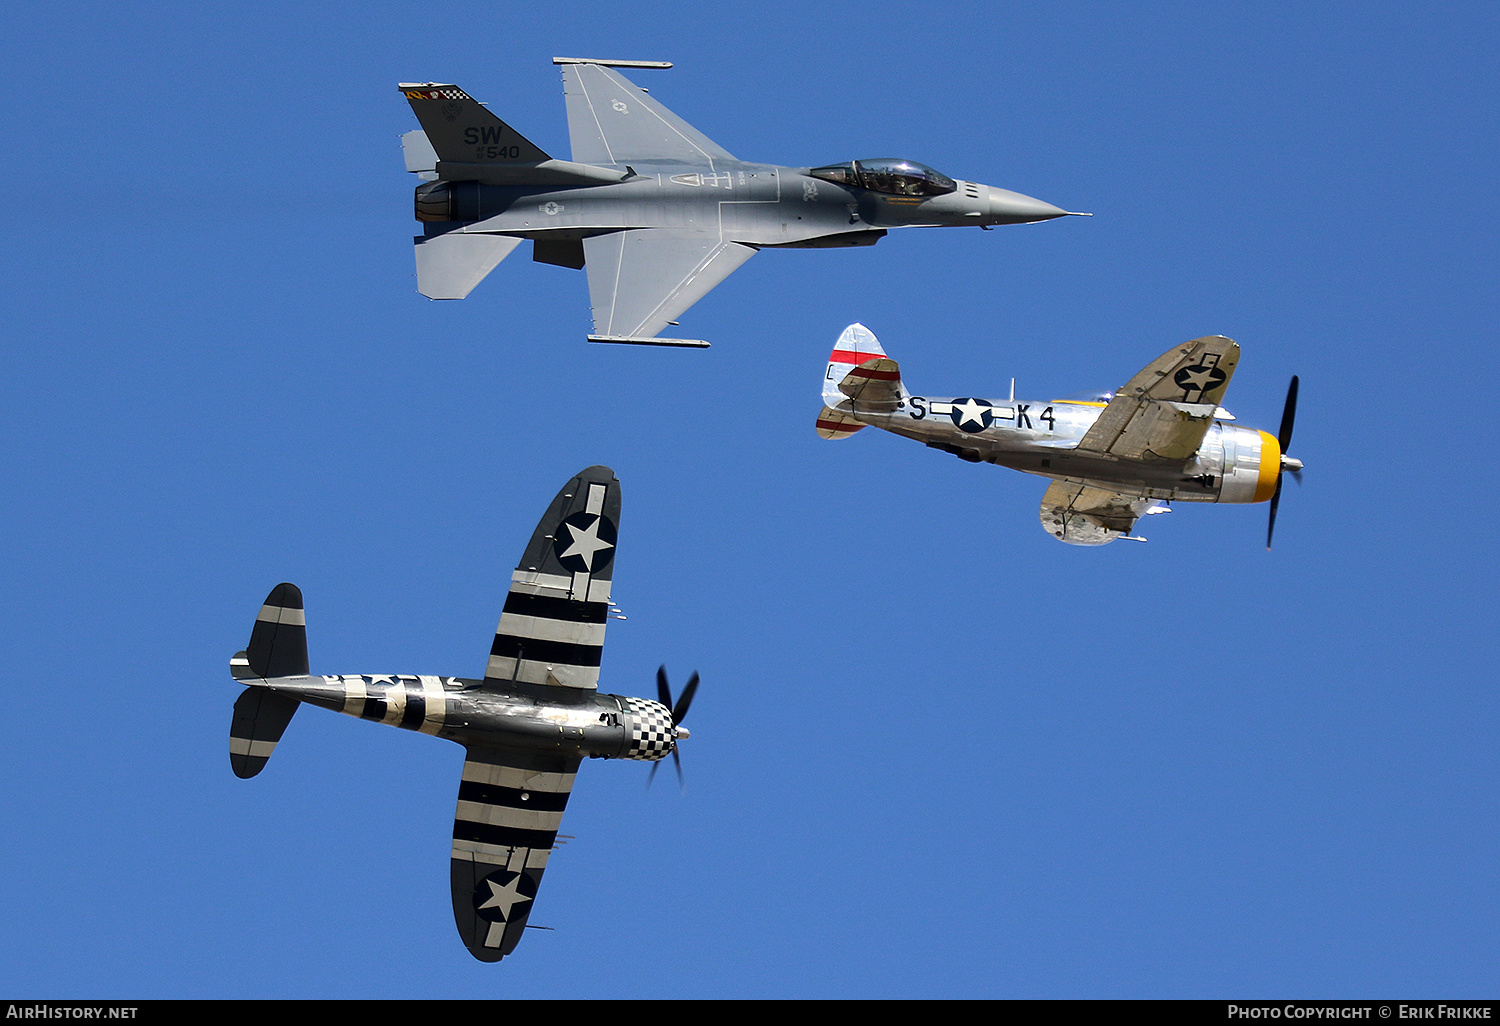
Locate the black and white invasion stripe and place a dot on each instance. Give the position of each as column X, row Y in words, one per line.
column 548, row 635
column 508, row 816
column 552, row 628
column 413, row 703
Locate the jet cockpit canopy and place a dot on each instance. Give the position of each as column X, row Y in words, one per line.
column 889, row 175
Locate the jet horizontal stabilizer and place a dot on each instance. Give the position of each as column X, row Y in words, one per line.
column 421, row 159
column 450, row 265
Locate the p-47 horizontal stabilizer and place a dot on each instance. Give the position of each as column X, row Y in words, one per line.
column 278, row 648
column 260, row 718
column 836, row 424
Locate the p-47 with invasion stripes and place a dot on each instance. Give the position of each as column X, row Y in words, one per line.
column 1113, row 457
column 526, row 726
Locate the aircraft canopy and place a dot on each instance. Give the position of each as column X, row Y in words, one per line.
column 889, row 175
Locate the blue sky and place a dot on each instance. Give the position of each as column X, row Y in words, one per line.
column 935, row 753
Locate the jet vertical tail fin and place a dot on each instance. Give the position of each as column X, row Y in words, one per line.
column 462, row 130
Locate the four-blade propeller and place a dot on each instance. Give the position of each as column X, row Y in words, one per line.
column 1284, row 438
column 664, row 695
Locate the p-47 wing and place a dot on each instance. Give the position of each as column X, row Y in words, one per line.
column 1162, row 414
column 551, row 632
column 1081, row 514
column 510, row 805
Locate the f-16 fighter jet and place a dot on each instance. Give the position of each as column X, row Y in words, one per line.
column 1113, row 458
column 526, row 726
column 656, row 212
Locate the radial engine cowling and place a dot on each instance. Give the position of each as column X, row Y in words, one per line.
column 650, row 733
column 1244, row 463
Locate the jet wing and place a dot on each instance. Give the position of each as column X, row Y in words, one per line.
column 1164, row 411
column 552, row 629
column 612, row 121
column 642, row 279
column 1083, row 515
column 510, row 804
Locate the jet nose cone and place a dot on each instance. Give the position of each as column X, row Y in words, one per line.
column 1008, row 207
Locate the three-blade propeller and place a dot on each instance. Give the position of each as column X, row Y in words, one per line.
column 664, row 696
column 1284, row 438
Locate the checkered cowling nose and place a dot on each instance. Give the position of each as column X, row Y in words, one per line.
column 651, row 733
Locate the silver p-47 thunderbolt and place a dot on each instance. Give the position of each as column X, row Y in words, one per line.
column 656, row 212
column 526, row 726
column 1113, row 458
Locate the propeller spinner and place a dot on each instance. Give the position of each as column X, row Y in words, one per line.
column 1288, row 464
column 664, row 695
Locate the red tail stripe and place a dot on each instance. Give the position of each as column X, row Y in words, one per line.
column 850, row 356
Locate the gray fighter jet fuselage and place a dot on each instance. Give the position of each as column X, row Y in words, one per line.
column 756, row 204
column 656, row 212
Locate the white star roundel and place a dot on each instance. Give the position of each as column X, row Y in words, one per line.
column 1201, row 379
column 972, row 415
column 585, row 543
column 499, row 893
